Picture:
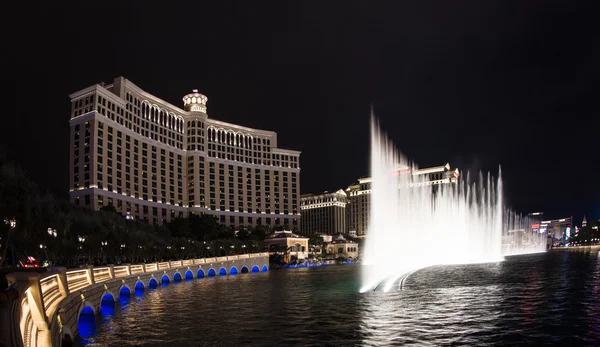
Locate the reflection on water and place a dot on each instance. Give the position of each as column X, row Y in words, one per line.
column 534, row 299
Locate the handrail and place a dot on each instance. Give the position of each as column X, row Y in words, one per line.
column 102, row 274
column 136, row 269
column 77, row 279
column 121, row 271
column 50, row 291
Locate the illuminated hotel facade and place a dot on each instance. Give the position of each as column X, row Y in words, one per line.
column 155, row 161
column 359, row 193
column 324, row 213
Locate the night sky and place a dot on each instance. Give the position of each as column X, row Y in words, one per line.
column 475, row 84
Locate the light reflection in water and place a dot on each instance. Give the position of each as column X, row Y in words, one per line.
column 513, row 302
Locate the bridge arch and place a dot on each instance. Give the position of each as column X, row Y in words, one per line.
column 189, row 274
column 125, row 291
column 176, row 277
column 86, row 320
column 67, row 336
column 139, row 285
column 211, row 272
column 265, row 268
column 165, row 279
column 107, row 304
column 153, row 283
column 222, row 271
column 200, row 273
column 233, row 271
column 244, row 269
column 255, row 268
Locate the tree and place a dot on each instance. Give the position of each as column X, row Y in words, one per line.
column 259, row 232
column 316, row 240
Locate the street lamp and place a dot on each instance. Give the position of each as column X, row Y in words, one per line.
column 52, row 232
column 10, row 222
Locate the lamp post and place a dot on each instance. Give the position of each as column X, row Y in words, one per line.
column 81, row 240
column 52, row 232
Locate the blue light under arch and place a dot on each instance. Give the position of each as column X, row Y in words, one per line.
column 165, row 280
column 189, row 274
column 255, row 269
column 125, row 291
column 139, row 286
column 87, row 322
column 265, row 268
column 176, row 277
column 153, row 283
column 233, row 270
column 211, row 272
column 244, row 269
column 200, row 273
column 107, row 305
column 222, row 271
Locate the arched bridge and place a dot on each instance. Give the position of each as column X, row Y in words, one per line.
column 48, row 306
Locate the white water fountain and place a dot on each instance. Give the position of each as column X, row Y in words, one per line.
column 411, row 227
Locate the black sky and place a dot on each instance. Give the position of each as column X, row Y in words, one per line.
column 478, row 84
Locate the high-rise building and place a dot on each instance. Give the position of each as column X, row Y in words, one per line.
column 323, row 213
column 359, row 193
column 155, row 161
column 559, row 230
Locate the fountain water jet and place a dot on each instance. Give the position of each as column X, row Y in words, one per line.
column 411, row 226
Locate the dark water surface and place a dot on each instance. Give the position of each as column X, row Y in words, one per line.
column 551, row 298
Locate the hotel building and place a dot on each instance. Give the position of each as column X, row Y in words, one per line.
column 155, row 161
column 323, row 213
column 359, row 193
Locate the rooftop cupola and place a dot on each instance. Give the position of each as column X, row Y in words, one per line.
column 195, row 102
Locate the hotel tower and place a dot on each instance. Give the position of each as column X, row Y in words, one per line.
column 154, row 161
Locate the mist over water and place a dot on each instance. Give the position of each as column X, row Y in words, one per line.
column 414, row 224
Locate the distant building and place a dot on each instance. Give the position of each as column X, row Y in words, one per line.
column 280, row 241
column 323, row 213
column 559, row 230
column 326, row 238
column 341, row 247
column 359, row 193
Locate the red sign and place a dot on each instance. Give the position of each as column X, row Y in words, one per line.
column 535, row 226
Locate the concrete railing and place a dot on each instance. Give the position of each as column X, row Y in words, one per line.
column 41, row 294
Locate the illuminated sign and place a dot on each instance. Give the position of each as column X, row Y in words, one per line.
column 535, row 226
column 197, row 108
